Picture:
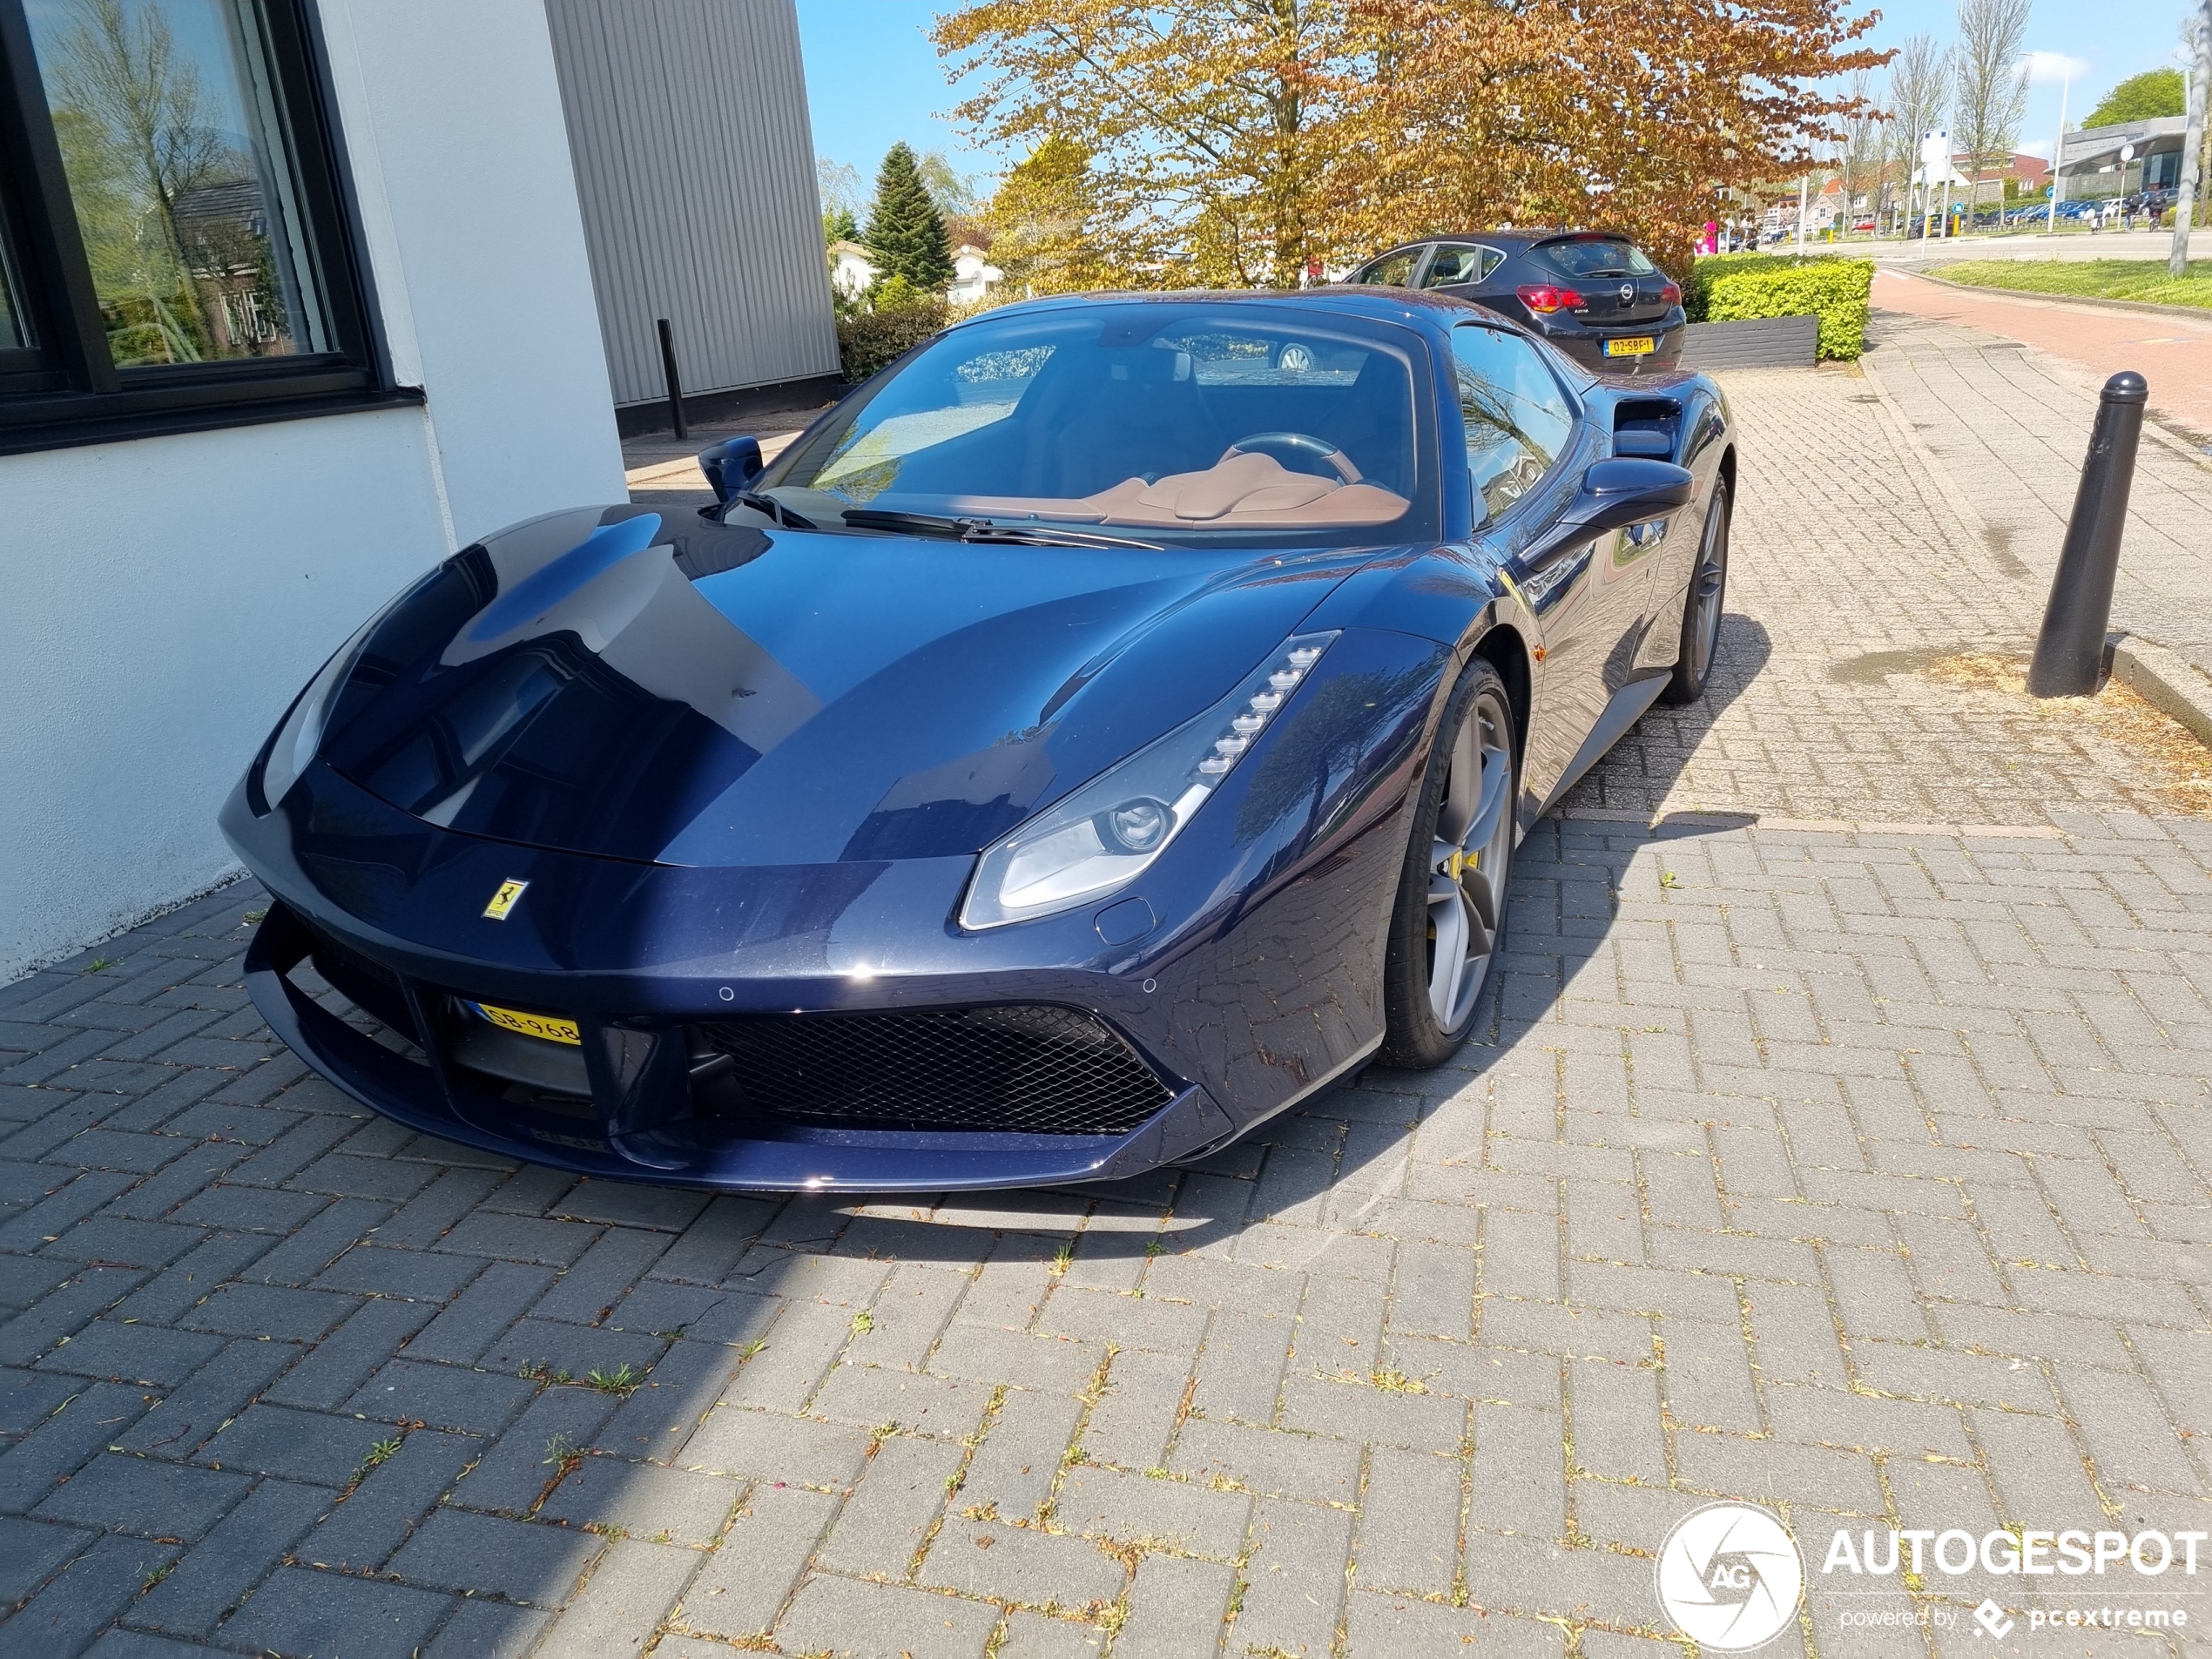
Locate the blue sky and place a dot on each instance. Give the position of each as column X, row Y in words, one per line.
column 873, row 78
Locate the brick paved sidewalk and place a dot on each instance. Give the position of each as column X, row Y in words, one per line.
column 2010, row 424
column 1864, row 1175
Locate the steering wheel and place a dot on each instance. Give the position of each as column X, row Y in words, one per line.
column 1316, row 448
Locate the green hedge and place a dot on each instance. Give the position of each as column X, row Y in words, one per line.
column 1732, row 287
column 867, row 341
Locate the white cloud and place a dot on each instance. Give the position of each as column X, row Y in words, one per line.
column 2037, row 148
column 2049, row 69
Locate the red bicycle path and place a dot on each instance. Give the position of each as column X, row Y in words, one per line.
column 2174, row 354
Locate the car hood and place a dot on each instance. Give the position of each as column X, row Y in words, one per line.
column 652, row 685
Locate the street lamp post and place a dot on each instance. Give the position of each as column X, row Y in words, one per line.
column 2058, row 153
column 2177, row 258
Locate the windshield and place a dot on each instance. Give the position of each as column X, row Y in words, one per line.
column 1600, row 258
column 1167, row 419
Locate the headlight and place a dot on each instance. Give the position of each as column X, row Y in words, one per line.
column 1109, row 832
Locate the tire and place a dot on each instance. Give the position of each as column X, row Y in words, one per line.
column 1702, row 605
column 1448, row 919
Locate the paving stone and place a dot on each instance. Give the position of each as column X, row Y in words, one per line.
column 798, row 1450
column 138, row 1354
column 1294, row 1581
column 643, row 1500
column 302, row 1446
column 33, row 1551
column 481, row 1629
column 524, row 1464
column 480, row 1402
column 270, row 1311
column 844, row 1616
column 232, row 1559
column 146, row 1496
column 343, row 1361
column 66, row 1616
column 306, row 1612
column 630, row 1590
column 1177, row 1515
column 906, row 1488
column 1013, row 1471
column 360, row 1532
column 516, row 1559
column 1171, row 1603
column 1013, row 1564
column 1271, row 1463
column 741, row 1590
column 217, row 1391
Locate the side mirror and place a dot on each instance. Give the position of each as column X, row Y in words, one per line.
column 1615, row 495
column 732, row 464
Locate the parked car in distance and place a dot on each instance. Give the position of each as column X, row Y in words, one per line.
column 1593, row 295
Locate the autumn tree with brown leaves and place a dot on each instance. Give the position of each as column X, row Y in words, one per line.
column 1240, row 142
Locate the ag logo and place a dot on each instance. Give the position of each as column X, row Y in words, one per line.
column 1729, row 1576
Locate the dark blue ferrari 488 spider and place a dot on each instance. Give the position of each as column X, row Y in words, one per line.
column 1105, row 728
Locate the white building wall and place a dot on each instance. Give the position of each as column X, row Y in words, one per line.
column 165, row 597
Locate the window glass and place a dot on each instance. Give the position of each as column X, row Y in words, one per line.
column 1604, row 256
column 15, row 333
column 1393, row 270
column 1518, row 420
column 1459, row 262
column 172, row 142
column 1180, row 419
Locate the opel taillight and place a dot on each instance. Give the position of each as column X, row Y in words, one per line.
column 1543, row 299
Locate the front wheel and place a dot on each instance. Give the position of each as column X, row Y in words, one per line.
column 1701, row 610
column 1450, row 915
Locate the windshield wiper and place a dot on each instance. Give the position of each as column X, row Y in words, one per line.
column 984, row 530
column 773, row 510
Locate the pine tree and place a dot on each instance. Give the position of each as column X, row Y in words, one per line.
column 839, row 226
column 905, row 233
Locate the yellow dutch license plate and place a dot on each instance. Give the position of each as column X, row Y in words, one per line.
column 531, row 1025
column 1632, row 346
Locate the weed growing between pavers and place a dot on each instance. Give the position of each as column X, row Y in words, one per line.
column 2180, row 764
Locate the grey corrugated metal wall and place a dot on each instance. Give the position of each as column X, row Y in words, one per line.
column 695, row 167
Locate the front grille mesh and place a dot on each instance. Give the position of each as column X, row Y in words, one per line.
column 1033, row 1071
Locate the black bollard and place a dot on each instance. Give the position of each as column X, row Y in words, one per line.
column 2070, row 651
column 675, row 384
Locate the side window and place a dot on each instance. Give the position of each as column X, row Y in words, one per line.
column 1457, row 262
column 1518, row 420
column 1393, row 270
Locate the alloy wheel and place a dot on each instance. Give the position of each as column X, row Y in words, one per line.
column 1706, row 589
column 1468, row 860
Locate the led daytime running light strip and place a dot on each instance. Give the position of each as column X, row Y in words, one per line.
column 1259, row 709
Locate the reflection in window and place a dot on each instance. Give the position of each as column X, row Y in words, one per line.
column 1392, row 271
column 1517, row 419
column 14, row 334
column 919, row 410
column 172, row 139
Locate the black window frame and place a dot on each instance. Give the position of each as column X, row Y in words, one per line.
column 65, row 388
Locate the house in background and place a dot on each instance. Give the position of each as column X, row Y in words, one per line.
column 974, row 275
column 403, row 298
column 2090, row 163
column 851, row 270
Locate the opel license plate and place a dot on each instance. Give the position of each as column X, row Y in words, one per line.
column 544, row 1026
column 1631, row 346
